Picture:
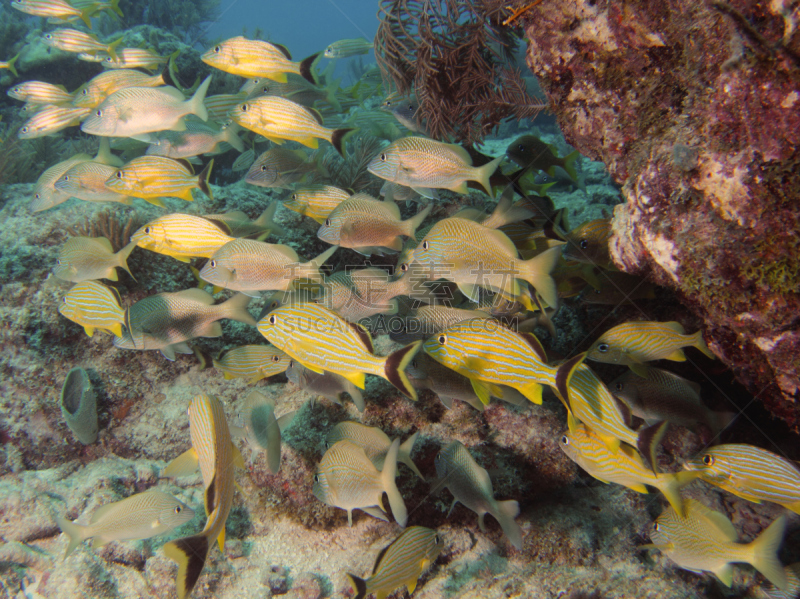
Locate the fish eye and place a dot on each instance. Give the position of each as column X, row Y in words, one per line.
column 273, row 305
column 276, row 358
column 564, row 440
column 108, row 59
column 436, row 539
column 119, row 174
column 273, row 319
column 147, row 230
column 294, row 196
column 316, row 478
column 66, row 177
column 619, row 386
column 383, row 157
column 85, row 91
column 24, row 129
column 213, row 264
column 65, row 299
column 602, row 348
column 244, row 107
column 584, row 244
column 38, row 196
column 217, row 49
column 425, row 245
column 48, row 37
column 413, row 363
column 708, row 459
column 442, row 339
column 521, row 148
column 178, row 509
column 99, row 113
column 58, row 262
column 264, row 168
column 404, row 266
column 327, row 222
column 656, row 526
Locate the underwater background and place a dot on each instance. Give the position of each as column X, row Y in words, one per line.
column 561, row 237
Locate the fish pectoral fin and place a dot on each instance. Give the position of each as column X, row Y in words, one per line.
column 639, row 369
column 572, row 422
column 376, row 512
column 482, row 391
column 533, row 392
column 185, row 464
column 725, row 574
column 99, row 541
column 426, row 192
column 357, row 378
column 470, row 291
column 452, row 507
column 155, row 524
column 90, row 331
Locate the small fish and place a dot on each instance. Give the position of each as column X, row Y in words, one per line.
column 530, row 152
column 369, row 226
column 218, row 106
column 256, row 58
column 279, row 167
column 72, row 40
column 470, row 484
column 252, row 266
column 240, row 224
column 400, row 564
column 750, row 472
column 182, row 236
column 153, row 177
column 405, row 110
column 349, row 47
column 244, row 161
column 588, row 243
column 165, row 321
column 322, row 341
column 326, row 384
column 424, row 164
column 346, row 478
column 705, row 541
column 94, row 306
column 296, row 89
column 279, row 119
column 9, row 64
column 99, row 87
column 263, row 429
column 90, row 258
column 45, row 194
column 316, row 201
column 87, row 181
column 58, row 9
column 40, row 92
column 633, row 343
column 253, row 362
column 135, row 58
column 623, row 467
column 662, row 395
column 215, row 454
column 199, row 138
column 132, row 111
column 375, row 443
column 140, row 516
column 51, row 119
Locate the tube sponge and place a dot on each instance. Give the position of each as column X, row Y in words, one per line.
column 79, row 406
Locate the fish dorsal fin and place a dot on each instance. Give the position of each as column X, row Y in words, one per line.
column 185, row 164
column 675, row 326
column 284, row 50
column 210, row 495
column 536, row 346
column 502, row 239
column 285, row 250
column 317, row 116
column 461, row 153
column 197, row 295
column 105, row 243
column 719, row 521
column 221, row 225
column 363, row 334
column 100, row 512
column 472, row 214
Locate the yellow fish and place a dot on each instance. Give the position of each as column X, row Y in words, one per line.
column 316, row 201
column 253, row 362
column 89, row 258
column 214, row 452
column 705, row 541
column 72, row 40
column 136, row 58
column 54, row 9
column 256, row 58
column 9, row 64
column 99, row 87
column 45, row 194
column 87, row 181
column 51, row 119
column 400, row 564
column 40, row 92
column 94, row 306
column 220, row 105
column 345, row 48
column 152, row 177
column 182, row 236
column 279, row 119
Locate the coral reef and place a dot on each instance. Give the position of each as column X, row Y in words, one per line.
column 694, row 108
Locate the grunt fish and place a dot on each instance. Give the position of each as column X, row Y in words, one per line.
column 316, row 201
column 253, row 362
column 279, row 167
column 375, row 443
column 153, row 177
column 199, row 138
column 86, row 181
column 588, row 243
column 327, row 384
column 135, row 58
column 182, row 236
column 432, row 320
column 89, row 258
column 349, row 47
column 257, row 58
column 45, row 194
column 51, row 119
column 40, row 92
column 72, row 40
column 99, row 87
column 94, row 306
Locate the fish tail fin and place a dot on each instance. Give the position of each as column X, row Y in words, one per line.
column 415, row 221
column 115, row 7
column 196, row 101
column 87, row 19
column 203, row 177
column 122, row 256
column 232, row 137
column 486, row 171
column 388, row 474
column 337, row 140
column 569, row 165
column 359, row 586
column 394, row 369
column 717, row 421
column 564, row 376
column 75, row 532
column 765, row 553
column 404, row 455
column 700, row 344
column 536, row 271
column 236, row 309
column 671, row 489
column 648, row 442
column 11, row 66
column 307, row 68
column 506, row 512
column 267, row 221
column 190, row 554
column 112, row 48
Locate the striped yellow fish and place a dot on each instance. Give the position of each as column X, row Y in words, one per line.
column 165, row 321
column 324, row 342
column 9, row 64
column 350, row 47
column 588, row 243
column 750, row 472
column 251, row 266
column 51, row 119
column 279, row 119
column 326, row 384
column 214, row 452
column 140, row 516
column 131, row 111
column 257, row 58
column 374, row 442
column 425, row 164
column 94, row 306
column 253, row 362
column 136, row 58
column 72, row 40
column 369, row 226
column 45, row 194
column 199, row 138
column 474, row 256
column 315, row 201
column 470, row 484
column 623, row 467
column 40, row 92
column 182, row 236
column 635, row 342
column 220, row 105
column 87, row 181
column 705, row 541
column 99, row 87
column 152, row 177
column 400, row 564
column 55, row 9
column 90, row 258
column 346, row 478
column 489, row 354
